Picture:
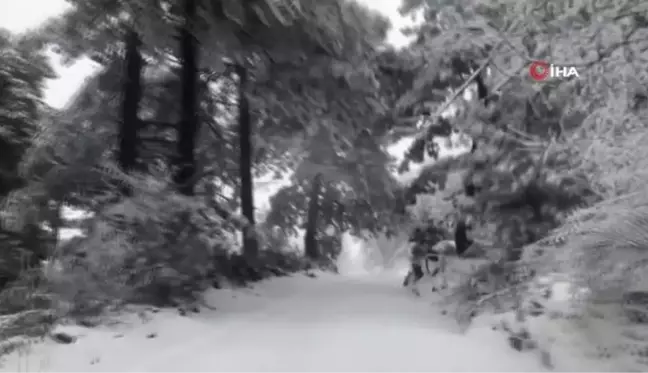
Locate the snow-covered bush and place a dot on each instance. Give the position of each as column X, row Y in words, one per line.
column 600, row 249
column 604, row 255
column 598, row 253
column 158, row 247
column 155, row 246
column 25, row 310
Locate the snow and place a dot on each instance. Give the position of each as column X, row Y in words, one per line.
column 60, row 91
column 390, row 8
column 327, row 323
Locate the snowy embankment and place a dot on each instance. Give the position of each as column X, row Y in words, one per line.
column 325, row 323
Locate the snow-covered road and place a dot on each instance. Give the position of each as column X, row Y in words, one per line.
column 328, row 323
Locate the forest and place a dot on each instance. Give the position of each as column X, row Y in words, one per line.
column 197, row 100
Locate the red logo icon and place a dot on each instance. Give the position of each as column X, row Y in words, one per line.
column 539, row 70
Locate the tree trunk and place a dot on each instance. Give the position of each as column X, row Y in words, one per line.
column 250, row 244
column 132, row 95
column 482, row 96
column 310, row 239
column 188, row 129
column 55, row 218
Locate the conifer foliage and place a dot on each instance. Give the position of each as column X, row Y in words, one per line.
column 23, row 71
column 161, row 144
column 535, row 176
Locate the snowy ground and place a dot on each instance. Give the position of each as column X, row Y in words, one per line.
column 327, row 323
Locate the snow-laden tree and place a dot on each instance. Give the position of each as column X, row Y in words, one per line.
column 527, row 136
column 154, row 245
column 343, row 180
column 568, row 142
column 23, row 71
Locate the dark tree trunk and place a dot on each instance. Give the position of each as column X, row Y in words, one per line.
column 188, row 129
column 250, row 244
column 462, row 242
column 131, row 97
column 482, row 96
column 482, row 89
column 310, row 239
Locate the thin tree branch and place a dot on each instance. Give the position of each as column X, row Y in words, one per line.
column 423, row 133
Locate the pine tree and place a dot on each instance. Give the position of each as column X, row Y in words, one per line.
column 24, row 68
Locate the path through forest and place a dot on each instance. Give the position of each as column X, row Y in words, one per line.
column 327, row 323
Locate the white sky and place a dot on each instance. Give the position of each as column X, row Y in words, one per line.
column 390, row 9
column 21, row 15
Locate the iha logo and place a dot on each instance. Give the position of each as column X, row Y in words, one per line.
column 541, row 71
